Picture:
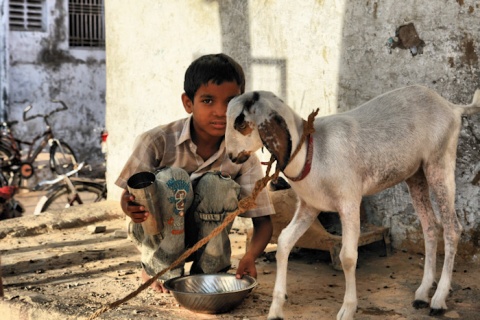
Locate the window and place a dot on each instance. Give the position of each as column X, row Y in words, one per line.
column 86, row 23
column 270, row 74
column 26, row 15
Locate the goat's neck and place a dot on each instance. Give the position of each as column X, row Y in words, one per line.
column 297, row 162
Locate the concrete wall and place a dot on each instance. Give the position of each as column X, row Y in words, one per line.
column 449, row 64
column 327, row 54
column 43, row 67
column 147, row 57
column 3, row 57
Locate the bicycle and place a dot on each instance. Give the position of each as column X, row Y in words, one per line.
column 9, row 206
column 16, row 167
column 66, row 191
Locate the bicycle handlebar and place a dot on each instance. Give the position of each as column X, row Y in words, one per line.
column 8, row 124
column 42, row 184
column 44, row 116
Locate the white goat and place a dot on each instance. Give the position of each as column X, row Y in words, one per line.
column 409, row 134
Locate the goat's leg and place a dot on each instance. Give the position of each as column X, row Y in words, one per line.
column 419, row 192
column 302, row 220
column 442, row 182
column 350, row 217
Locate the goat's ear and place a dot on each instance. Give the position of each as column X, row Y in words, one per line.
column 276, row 138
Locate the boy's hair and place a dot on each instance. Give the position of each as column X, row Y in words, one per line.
column 217, row 68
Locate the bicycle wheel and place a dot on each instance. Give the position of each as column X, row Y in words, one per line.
column 62, row 158
column 5, row 155
column 60, row 197
column 3, row 180
column 5, row 164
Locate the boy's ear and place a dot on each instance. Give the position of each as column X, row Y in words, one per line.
column 187, row 103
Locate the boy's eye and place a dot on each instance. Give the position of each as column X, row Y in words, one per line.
column 207, row 101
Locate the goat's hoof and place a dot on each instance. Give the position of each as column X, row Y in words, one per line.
column 275, row 319
column 436, row 312
column 420, row 304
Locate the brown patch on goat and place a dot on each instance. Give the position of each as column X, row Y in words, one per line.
column 276, row 138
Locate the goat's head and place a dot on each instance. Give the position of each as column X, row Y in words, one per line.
column 256, row 119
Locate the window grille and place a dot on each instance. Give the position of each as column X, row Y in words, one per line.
column 26, row 15
column 86, row 23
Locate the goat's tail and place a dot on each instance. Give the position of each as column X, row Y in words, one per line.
column 474, row 107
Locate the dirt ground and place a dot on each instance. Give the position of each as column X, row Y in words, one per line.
column 69, row 273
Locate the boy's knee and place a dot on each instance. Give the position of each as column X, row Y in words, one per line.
column 216, row 194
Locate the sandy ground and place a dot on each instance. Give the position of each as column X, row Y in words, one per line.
column 69, row 273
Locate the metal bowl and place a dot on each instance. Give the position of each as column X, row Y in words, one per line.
column 210, row 293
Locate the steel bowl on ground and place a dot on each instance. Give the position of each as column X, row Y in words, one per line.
column 210, row 293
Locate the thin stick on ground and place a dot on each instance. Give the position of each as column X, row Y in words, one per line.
column 243, row 205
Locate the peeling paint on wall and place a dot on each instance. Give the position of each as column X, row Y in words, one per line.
column 469, row 57
column 54, row 58
column 406, row 37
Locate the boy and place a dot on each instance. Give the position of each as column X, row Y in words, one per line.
column 196, row 145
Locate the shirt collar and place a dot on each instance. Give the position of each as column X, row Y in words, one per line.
column 186, row 134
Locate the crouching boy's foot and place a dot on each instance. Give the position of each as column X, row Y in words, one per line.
column 156, row 285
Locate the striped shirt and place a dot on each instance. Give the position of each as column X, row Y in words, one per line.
column 171, row 145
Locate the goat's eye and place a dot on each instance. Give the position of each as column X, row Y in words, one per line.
column 240, row 124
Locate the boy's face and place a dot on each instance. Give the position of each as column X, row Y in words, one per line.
column 209, row 108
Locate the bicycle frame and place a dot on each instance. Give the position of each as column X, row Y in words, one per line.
column 32, row 154
column 49, row 183
column 47, row 135
column 65, row 182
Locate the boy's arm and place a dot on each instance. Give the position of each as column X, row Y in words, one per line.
column 262, row 232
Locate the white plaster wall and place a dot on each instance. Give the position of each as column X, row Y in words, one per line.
column 335, row 58
column 299, row 32
column 147, row 58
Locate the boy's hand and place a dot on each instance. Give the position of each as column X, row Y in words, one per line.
column 135, row 211
column 262, row 232
column 246, row 266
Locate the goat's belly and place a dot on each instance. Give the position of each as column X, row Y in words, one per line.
column 381, row 180
column 315, row 198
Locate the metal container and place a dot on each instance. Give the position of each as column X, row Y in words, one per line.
column 210, row 293
column 143, row 187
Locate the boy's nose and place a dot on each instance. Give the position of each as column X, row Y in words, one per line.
column 221, row 109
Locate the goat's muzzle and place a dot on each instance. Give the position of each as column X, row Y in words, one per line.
column 241, row 158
